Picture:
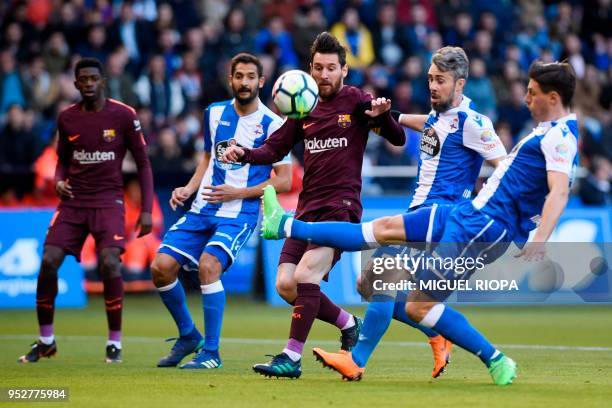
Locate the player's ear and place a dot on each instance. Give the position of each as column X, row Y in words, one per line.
column 262, row 81
column 344, row 70
column 554, row 98
column 460, row 84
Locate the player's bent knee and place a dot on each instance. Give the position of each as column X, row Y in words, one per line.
column 50, row 263
column 416, row 311
column 110, row 266
column 386, row 230
column 210, row 269
column 287, row 289
column 162, row 273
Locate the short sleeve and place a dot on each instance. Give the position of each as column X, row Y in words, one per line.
column 480, row 136
column 559, row 149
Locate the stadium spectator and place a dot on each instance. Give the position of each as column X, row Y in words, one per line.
column 595, row 189
column 56, row 53
column 19, row 148
column 275, row 40
column 41, row 87
column 161, row 93
column 190, row 78
column 95, row 47
column 418, row 30
column 356, row 38
column 119, row 82
column 236, row 38
column 480, row 89
column 11, row 83
column 308, row 25
column 462, row 32
column 135, row 35
column 515, row 112
column 167, row 46
column 389, row 39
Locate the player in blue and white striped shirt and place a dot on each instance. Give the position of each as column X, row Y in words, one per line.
column 534, row 179
column 455, row 140
column 223, row 215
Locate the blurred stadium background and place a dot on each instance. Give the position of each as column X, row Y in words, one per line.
column 169, row 60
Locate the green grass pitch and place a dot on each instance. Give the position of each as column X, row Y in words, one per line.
column 554, row 371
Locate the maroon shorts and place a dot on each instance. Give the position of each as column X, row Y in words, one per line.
column 70, row 226
column 293, row 249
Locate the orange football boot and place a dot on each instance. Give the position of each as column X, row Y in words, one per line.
column 340, row 362
column 441, row 352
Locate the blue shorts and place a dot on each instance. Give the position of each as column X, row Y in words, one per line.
column 422, row 225
column 462, row 232
column 194, row 234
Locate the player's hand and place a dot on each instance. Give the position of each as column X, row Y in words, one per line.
column 379, row 106
column 221, row 194
column 64, row 190
column 145, row 224
column 232, row 154
column 533, row 251
column 179, row 196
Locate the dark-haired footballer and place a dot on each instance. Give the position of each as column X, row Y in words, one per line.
column 335, row 136
column 94, row 136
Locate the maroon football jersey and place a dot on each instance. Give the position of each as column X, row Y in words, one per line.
column 91, row 148
column 335, row 136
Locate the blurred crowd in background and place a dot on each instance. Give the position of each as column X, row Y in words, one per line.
column 169, row 59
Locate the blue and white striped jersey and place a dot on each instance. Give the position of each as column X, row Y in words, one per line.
column 516, row 191
column 453, row 146
column 223, row 127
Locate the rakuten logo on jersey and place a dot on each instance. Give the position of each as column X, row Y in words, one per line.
column 84, row 157
column 317, row 146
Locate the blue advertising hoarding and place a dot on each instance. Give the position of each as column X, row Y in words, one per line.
column 22, row 235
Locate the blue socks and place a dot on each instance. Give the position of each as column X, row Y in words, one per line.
column 342, row 235
column 455, row 327
column 375, row 324
column 213, row 302
column 173, row 296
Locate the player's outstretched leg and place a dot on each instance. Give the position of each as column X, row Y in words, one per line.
column 164, row 270
column 455, row 327
column 46, row 292
column 110, row 269
column 213, row 261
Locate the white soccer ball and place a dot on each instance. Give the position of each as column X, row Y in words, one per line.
column 295, row 94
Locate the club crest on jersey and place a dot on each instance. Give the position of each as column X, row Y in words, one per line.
column 108, row 135
column 344, row 120
column 430, row 144
column 220, row 148
column 258, row 129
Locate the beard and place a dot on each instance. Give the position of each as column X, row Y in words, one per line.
column 442, row 105
column 331, row 90
column 253, row 93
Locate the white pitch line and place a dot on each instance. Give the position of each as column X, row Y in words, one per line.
column 238, row 340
